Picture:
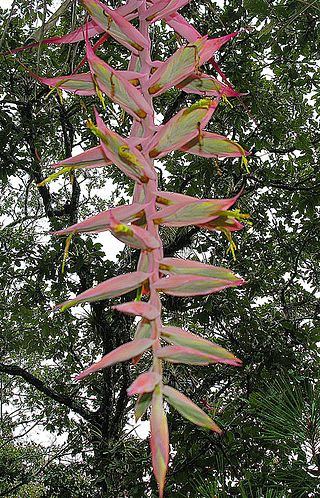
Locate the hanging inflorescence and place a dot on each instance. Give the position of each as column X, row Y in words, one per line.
column 137, row 224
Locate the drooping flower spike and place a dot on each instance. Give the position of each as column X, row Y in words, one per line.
column 137, row 224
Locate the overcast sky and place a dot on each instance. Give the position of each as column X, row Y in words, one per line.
column 4, row 4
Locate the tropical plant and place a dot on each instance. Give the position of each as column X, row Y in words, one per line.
column 137, row 224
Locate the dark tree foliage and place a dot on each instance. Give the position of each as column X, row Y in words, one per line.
column 269, row 409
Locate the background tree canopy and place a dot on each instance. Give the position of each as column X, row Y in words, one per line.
column 270, row 408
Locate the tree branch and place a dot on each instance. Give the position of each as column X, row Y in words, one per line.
column 63, row 399
column 283, row 186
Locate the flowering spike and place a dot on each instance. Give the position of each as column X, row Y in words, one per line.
column 140, row 308
column 183, row 27
column 191, row 356
column 116, row 286
column 188, row 409
column 183, row 62
column 180, row 337
column 91, row 158
column 175, row 266
column 159, row 440
column 116, row 25
column 203, row 84
column 145, row 383
column 222, row 224
column 186, row 285
column 213, row 44
column 182, row 128
column 122, row 353
column 118, row 88
column 123, row 155
column 213, row 145
column 198, row 211
column 102, row 221
column 170, row 198
column 164, row 8
column 134, row 236
column 137, row 224
column 80, row 84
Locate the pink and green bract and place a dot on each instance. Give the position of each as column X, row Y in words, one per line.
column 137, row 224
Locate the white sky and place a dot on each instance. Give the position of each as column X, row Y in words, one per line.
column 5, row 4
